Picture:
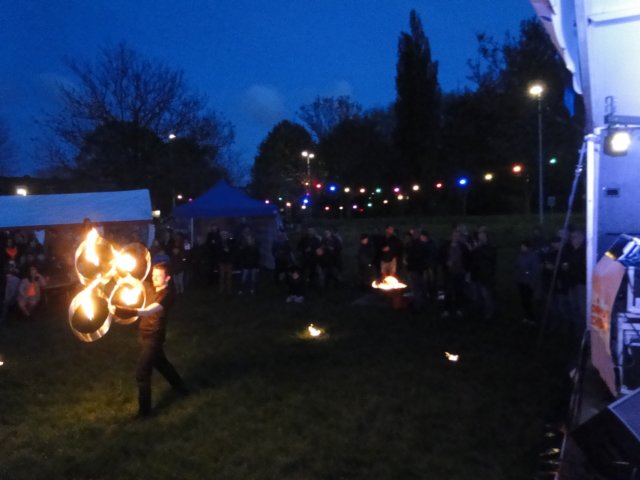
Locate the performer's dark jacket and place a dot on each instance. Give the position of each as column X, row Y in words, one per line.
column 153, row 325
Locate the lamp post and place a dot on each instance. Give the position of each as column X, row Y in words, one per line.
column 171, row 137
column 308, row 156
column 536, row 91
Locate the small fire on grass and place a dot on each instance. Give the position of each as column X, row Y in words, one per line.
column 389, row 283
column 452, row 357
column 313, row 332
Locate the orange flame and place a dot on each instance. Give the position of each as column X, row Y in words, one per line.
column 90, row 252
column 313, row 331
column 130, row 296
column 87, row 306
column 389, row 283
column 126, row 262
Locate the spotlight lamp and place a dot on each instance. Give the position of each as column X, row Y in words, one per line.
column 617, row 142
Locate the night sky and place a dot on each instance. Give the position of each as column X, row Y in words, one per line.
column 256, row 61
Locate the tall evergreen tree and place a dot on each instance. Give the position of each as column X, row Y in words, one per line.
column 417, row 105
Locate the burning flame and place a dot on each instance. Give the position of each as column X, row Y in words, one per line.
column 313, row 331
column 126, row 262
column 389, row 283
column 90, row 252
column 87, row 306
column 130, row 296
column 451, row 356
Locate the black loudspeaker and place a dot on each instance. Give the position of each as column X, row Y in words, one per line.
column 611, row 439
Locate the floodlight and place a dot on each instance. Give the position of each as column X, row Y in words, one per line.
column 617, row 142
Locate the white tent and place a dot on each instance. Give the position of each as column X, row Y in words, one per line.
column 40, row 211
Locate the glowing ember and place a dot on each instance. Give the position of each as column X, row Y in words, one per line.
column 451, row 357
column 313, row 331
column 126, row 262
column 389, row 283
column 90, row 251
column 130, row 296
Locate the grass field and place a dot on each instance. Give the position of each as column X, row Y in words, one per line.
column 374, row 399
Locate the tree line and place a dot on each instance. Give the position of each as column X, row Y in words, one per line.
column 131, row 122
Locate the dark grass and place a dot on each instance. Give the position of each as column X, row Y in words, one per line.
column 376, row 399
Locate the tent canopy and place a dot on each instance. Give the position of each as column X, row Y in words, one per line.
column 37, row 211
column 223, row 200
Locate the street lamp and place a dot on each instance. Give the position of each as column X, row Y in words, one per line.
column 308, row 156
column 171, row 137
column 536, row 91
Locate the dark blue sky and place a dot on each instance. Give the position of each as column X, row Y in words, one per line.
column 257, row 61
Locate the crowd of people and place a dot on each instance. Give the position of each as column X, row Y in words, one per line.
column 23, row 262
column 457, row 274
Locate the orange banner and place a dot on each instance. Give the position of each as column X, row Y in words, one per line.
column 607, row 276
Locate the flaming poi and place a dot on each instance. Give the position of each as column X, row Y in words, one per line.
column 112, row 277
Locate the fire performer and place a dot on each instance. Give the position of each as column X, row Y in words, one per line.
column 152, row 328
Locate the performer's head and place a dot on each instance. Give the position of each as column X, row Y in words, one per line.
column 160, row 275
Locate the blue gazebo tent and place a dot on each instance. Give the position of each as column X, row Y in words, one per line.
column 229, row 207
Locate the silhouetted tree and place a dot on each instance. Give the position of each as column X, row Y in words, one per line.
column 325, row 113
column 135, row 103
column 355, row 152
column 279, row 168
column 417, row 105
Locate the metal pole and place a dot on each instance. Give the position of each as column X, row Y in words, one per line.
column 540, row 177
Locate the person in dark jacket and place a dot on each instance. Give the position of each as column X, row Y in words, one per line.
column 365, row 258
column 482, row 266
column 576, row 270
column 225, row 256
column 152, row 327
column 282, row 257
column 527, row 276
column 390, row 252
column 249, row 262
column 417, row 258
column 454, row 262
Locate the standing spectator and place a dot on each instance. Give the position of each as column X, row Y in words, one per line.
column 295, row 283
column 158, row 253
column 454, row 260
column 416, row 260
column 483, row 270
column 226, row 256
column 310, row 249
column 249, row 262
column 282, row 256
column 199, row 260
column 178, row 263
column 11, row 251
column 576, row 268
column 329, row 261
column 431, row 269
column 527, row 273
column 390, row 252
column 11, row 289
column 365, row 262
column 559, row 290
column 212, row 247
